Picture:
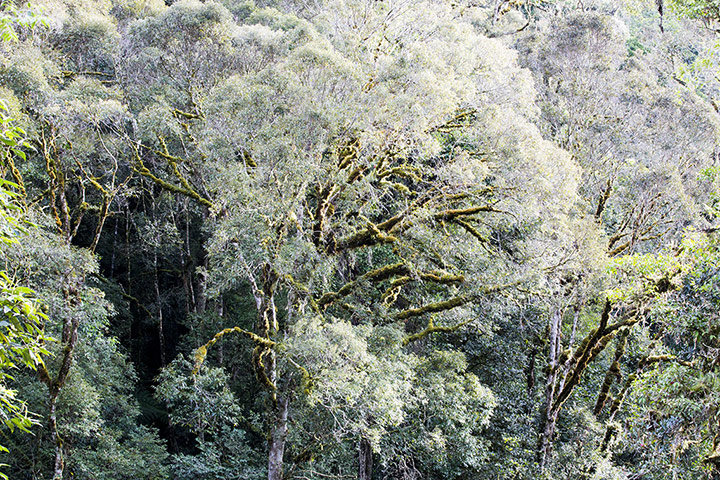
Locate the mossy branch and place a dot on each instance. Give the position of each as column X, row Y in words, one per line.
column 404, row 171
column 179, row 113
column 453, row 302
column 378, row 274
column 470, row 229
column 591, row 346
column 434, row 307
column 457, row 121
column 439, row 277
column 306, row 382
column 663, row 358
column 612, row 373
column 459, row 212
column 348, row 152
column 173, row 162
column 259, row 353
column 324, row 207
column 68, row 73
column 432, row 328
column 17, row 176
column 371, row 235
column 140, row 168
column 201, row 352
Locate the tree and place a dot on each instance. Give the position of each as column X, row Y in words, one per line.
column 392, row 251
column 359, row 191
column 641, row 182
column 21, row 333
column 60, row 274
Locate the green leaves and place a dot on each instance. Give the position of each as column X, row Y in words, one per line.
column 12, row 16
column 21, row 345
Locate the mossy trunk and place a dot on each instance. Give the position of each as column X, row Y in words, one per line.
column 59, row 464
column 550, row 412
column 278, row 435
column 546, row 438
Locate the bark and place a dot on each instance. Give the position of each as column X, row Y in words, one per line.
column 55, row 385
column 530, row 370
column 200, row 294
column 266, row 371
column 114, row 250
column 604, row 196
column 104, row 213
column 546, row 440
column 565, row 371
column 278, row 435
column 365, row 460
column 550, row 411
column 612, row 374
column 190, row 303
column 158, row 299
column 52, row 425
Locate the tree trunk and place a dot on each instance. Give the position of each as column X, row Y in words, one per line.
column 546, row 439
column 530, row 371
column 550, row 414
column 52, row 425
column 201, row 295
column 71, row 323
column 158, row 300
column 278, row 435
column 564, row 374
column 365, row 460
column 266, row 371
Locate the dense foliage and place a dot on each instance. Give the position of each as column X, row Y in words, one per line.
column 414, row 239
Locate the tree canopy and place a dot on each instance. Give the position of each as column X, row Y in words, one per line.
column 401, row 240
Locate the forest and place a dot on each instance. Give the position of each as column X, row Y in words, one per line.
column 360, row 239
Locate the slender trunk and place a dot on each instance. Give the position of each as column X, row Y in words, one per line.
column 265, row 365
column 71, row 323
column 576, row 317
column 68, row 230
column 220, row 313
column 158, row 297
column 52, row 426
column 129, row 273
column 564, row 373
column 550, row 413
column 530, row 371
column 189, row 307
column 190, row 299
column 546, row 440
column 278, row 435
column 158, row 300
column 114, row 249
column 365, row 460
column 200, row 296
column 104, row 213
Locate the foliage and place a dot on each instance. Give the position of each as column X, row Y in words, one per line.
column 360, row 239
column 12, row 17
column 21, row 334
